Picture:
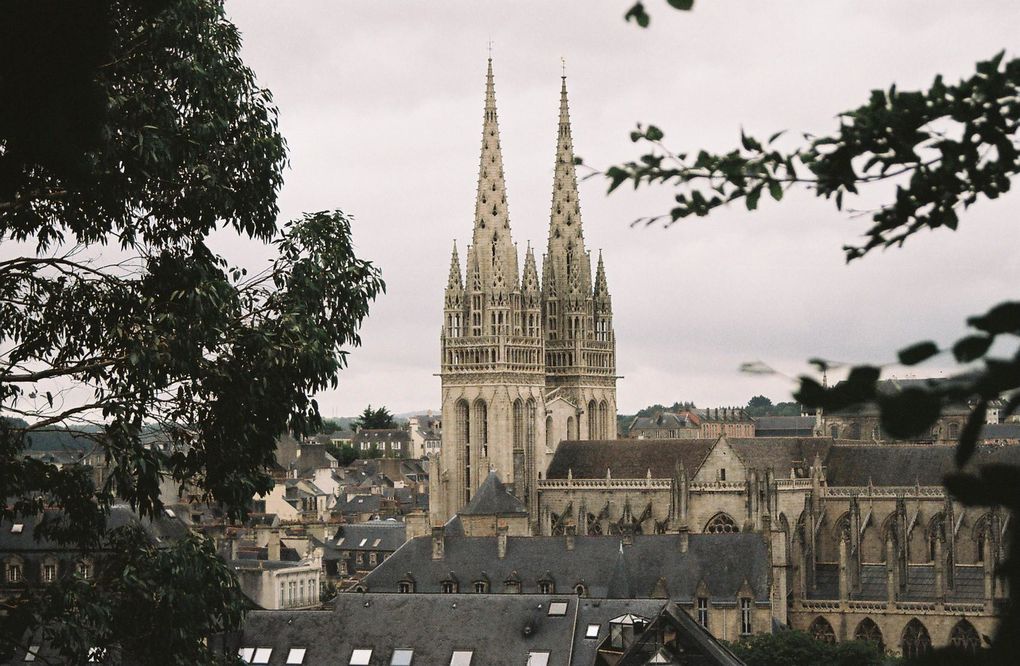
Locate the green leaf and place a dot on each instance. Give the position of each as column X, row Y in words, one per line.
column 776, row 189
column 909, row 413
column 1003, row 318
column 914, row 354
column 752, row 198
column 638, row 13
column 971, row 347
column 682, row 5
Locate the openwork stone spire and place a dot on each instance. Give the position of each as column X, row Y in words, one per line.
column 491, row 242
column 529, row 282
column 569, row 265
column 601, row 286
column 454, row 283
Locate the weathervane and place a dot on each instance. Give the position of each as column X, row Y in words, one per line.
column 563, row 66
column 490, row 47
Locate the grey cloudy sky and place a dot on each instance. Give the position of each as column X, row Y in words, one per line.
column 381, row 103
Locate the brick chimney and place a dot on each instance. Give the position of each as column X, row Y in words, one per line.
column 438, row 543
column 501, row 532
column 273, row 547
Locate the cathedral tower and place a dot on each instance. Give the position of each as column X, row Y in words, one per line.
column 580, row 347
column 526, row 362
column 493, row 372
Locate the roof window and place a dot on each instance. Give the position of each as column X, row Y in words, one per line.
column 33, row 650
column 17, row 528
column 363, row 542
column 538, row 659
column 262, row 655
column 592, row 631
column 361, row 657
column 557, row 609
column 402, row 657
column 96, row 655
column 376, row 543
column 296, row 656
column 461, row 658
column 246, row 654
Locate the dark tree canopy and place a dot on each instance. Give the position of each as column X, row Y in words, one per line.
column 129, row 132
column 374, row 419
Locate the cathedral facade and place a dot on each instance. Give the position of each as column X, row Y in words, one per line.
column 528, row 357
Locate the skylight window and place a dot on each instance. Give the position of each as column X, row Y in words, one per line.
column 592, row 631
column 363, row 542
column 96, row 655
column 557, row 608
column 296, row 656
column 461, row 658
column 32, row 651
column 340, row 541
column 538, row 659
column 246, row 654
column 376, row 543
column 17, row 528
column 361, row 657
column 262, row 655
column 402, row 657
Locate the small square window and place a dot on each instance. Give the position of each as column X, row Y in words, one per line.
column 558, row 608
column 538, row 659
column 33, row 650
column 361, row 657
column 461, row 658
column 296, row 656
column 262, row 655
column 402, row 657
column 246, row 654
column 592, row 631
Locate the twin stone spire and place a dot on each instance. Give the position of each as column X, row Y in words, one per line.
column 491, row 268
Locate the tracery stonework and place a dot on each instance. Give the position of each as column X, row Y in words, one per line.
column 526, row 362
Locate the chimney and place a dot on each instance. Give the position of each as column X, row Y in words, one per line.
column 233, row 548
column 438, row 543
column 501, row 541
column 685, row 534
column 570, row 537
column 273, row 546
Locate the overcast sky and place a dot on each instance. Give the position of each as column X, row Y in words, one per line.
column 381, row 104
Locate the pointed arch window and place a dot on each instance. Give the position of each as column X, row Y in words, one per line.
column 915, row 641
column 721, row 523
column 593, row 420
column 821, row 630
column 965, row 637
column 867, row 630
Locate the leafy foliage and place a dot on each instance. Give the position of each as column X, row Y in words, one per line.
column 799, row 648
column 947, row 147
column 374, row 419
column 344, row 455
column 169, row 361
column 761, row 405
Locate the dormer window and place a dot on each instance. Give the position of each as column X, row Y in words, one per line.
column 512, row 587
column 481, row 587
column 745, row 617
column 449, row 587
column 405, row 587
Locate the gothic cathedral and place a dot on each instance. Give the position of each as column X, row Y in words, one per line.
column 526, row 363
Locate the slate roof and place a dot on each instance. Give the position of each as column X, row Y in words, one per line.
column 661, row 420
column 600, row 612
column 779, row 426
column 500, row 629
column 692, row 641
column 382, row 436
column 780, row 453
column 390, row 535
column 904, row 465
column 1000, row 431
column 361, row 504
column 628, row 458
column 493, row 499
column 166, row 528
column 724, row 561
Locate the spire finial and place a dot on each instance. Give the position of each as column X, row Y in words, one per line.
column 490, row 47
column 563, row 67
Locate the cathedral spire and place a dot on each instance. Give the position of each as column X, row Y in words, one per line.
column 491, row 242
column 570, row 265
column 601, row 286
column 454, row 283
column 529, row 281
